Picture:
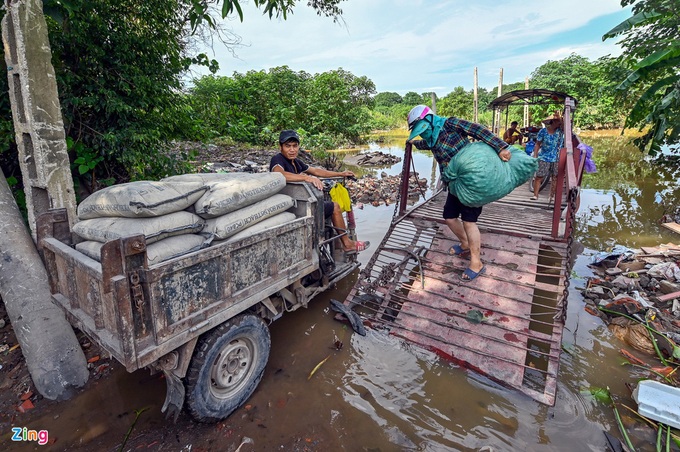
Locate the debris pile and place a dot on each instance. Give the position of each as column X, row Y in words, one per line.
column 639, row 291
column 377, row 158
column 383, row 190
column 637, row 294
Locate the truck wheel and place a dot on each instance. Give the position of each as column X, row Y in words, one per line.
column 226, row 367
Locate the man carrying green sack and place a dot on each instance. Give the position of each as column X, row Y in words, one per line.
column 445, row 137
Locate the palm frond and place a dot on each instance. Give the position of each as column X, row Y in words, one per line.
column 630, row 23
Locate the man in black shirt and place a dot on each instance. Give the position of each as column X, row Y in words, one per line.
column 295, row 170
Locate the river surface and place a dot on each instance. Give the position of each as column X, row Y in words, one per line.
column 378, row 393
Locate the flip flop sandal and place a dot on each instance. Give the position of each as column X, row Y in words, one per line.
column 360, row 246
column 469, row 275
column 459, row 251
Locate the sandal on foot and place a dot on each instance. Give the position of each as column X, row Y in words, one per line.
column 459, row 251
column 469, row 274
column 360, row 246
column 534, row 198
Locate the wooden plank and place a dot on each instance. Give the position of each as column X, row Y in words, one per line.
column 669, row 296
column 673, row 226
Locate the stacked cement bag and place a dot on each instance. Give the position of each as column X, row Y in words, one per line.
column 172, row 212
column 155, row 210
column 236, row 202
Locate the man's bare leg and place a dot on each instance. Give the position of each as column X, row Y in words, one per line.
column 475, row 241
column 456, row 227
column 537, row 186
column 339, row 222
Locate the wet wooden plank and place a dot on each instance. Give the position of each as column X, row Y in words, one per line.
column 673, row 226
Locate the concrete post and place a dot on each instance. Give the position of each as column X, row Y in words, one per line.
column 53, row 355
column 36, row 111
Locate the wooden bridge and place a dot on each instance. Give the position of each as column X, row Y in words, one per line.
column 506, row 324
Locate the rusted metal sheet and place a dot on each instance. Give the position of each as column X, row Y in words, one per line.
column 505, row 324
column 140, row 313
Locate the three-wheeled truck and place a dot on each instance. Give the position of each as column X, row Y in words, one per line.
column 200, row 318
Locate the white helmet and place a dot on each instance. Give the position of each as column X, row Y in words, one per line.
column 417, row 113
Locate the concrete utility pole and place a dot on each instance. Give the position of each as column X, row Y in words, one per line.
column 497, row 119
column 53, row 355
column 38, row 124
column 475, row 101
column 526, row 106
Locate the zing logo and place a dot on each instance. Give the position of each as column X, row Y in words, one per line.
column 24, row 434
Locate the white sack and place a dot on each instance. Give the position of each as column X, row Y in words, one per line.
column 270, row 222
column 227, row 225
column 238, row 191
column 141, row 199
column 157, row 252
column 153, row 229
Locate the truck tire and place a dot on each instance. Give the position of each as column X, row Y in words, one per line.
column 226, row 367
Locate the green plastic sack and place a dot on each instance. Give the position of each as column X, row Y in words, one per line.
column 477, row 176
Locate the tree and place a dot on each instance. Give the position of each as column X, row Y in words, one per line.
column 387, row 99
column 202, row 11
column 412, row 99
column 457, row 103
column 254, row 106
column 652, row 53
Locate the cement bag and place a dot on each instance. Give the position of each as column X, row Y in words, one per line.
column 204, row 178
column 140, row 199
column 153, row 229
column 237, row 192
column 157, row 252
column 271, row 222
column 227, row 225
column 477, row 176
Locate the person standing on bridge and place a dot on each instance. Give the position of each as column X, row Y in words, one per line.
column 549, row 141
column 445, row 137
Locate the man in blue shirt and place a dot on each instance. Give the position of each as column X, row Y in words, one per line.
column 295, row 170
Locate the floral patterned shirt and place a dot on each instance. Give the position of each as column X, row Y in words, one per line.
column 550, row 145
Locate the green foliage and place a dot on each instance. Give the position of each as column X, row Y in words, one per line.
column 331, row 107
column 412, row 99
column 19, row 195
column 652, row 53
column 387, row 99
column 118, row 68
column 457, row 103
column 202, row 11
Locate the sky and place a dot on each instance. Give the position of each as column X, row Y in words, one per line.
column 424, row 45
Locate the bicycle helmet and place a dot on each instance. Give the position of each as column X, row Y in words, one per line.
column 416, row 114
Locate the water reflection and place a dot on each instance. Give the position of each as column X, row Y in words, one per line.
column 627, row 196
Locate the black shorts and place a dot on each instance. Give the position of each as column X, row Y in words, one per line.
column 328, row 207
column 454, row 208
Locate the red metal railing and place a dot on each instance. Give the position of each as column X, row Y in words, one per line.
column 570, row 170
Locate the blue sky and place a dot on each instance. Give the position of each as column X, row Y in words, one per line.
column 424, row 45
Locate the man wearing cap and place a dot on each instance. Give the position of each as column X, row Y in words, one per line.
column 445, row 137
column 295, row 170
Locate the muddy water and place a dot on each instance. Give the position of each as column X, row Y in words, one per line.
column 379, row 394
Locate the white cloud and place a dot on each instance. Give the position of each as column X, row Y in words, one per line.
column 424, row 45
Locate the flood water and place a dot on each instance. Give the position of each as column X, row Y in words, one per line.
column 379, row 394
